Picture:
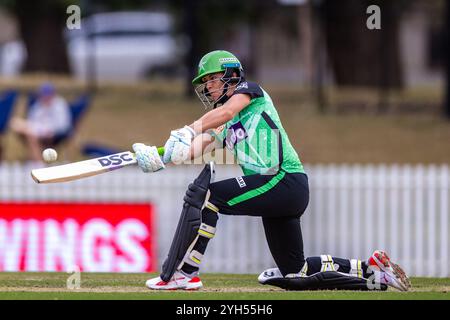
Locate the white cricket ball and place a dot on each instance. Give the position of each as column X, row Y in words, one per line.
column 49, row 155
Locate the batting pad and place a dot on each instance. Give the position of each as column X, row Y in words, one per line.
column 328, row 280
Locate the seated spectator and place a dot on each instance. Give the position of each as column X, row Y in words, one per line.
column 47, row 117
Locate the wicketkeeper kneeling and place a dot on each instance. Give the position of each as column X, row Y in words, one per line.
column 274, row 187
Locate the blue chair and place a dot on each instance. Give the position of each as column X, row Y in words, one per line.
column 7, row 101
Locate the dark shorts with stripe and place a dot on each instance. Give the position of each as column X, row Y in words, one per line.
column 269, row 196
column 280, row 200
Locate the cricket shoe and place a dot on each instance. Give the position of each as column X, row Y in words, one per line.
column 388, row 272
column 179, row 281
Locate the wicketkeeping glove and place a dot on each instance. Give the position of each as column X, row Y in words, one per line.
column 178, row 146
column 148, row 158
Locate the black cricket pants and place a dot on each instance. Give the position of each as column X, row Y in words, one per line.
column 280, row 200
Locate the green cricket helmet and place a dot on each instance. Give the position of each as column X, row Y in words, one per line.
column 214, row 62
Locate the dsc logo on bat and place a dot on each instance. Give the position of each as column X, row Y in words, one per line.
column 115, row 159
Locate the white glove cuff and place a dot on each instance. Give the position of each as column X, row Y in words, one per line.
column 191, row 131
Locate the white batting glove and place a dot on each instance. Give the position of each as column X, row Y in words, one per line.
column 148, row 158
column 178, row 145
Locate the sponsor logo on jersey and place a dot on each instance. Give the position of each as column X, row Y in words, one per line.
column 115, row 159
column 235, row 134
column 241, row 182
column 243, row 85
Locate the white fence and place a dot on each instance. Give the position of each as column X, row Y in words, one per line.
column 353, row 210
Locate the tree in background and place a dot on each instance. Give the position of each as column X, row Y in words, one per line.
column 206, row 22
column 360, row 56
column 41, row 24
column 357, row 55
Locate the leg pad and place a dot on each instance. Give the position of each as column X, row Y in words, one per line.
column 188, row 225
column 328, row 280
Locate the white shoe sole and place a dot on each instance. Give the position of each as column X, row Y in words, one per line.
column 193, row 286
column 174, row 286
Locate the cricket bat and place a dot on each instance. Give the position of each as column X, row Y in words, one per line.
column 86, row 168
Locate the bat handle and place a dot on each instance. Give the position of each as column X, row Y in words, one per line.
column 161, row 151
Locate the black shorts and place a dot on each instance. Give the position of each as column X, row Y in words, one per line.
column 268, row 196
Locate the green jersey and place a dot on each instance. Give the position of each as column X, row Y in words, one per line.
column 256, row 136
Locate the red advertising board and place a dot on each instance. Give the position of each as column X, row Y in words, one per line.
column 89, row 237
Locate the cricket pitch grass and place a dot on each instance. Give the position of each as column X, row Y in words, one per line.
column 105, row 286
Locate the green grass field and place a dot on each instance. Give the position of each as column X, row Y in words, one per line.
column 100, row 286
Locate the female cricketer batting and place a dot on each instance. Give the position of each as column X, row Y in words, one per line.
column 274, row 186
